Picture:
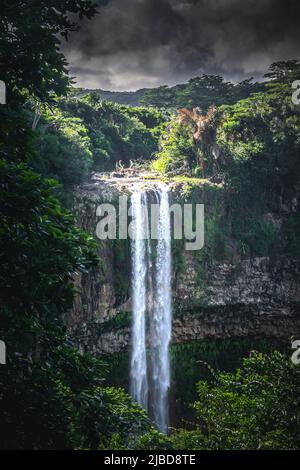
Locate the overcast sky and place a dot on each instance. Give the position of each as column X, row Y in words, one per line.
column 134, row 44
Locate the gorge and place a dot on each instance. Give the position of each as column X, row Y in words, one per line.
column 148, row 343
column 247, row 300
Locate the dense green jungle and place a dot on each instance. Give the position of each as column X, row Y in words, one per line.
column 236, row 143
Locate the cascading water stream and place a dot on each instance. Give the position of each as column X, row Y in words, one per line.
column 151, row 286
column 139, row 379
column 162, row 317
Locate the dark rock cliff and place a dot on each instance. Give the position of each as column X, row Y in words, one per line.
column 258, row 297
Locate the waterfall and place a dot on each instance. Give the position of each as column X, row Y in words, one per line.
column 139, row 380
column 162, row 316
column 151, row 285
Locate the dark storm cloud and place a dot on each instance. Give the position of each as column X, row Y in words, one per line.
column 139, row 43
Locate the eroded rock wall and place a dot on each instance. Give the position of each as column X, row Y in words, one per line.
column 257, row 297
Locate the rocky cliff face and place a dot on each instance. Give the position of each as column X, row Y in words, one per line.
column 257, row 297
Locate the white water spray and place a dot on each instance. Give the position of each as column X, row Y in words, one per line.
column 139, row 380
column 162, row 317
column 151, row 284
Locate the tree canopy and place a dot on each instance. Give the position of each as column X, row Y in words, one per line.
column 30, row 60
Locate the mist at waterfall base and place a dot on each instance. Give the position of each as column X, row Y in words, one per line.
column 152, row 312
